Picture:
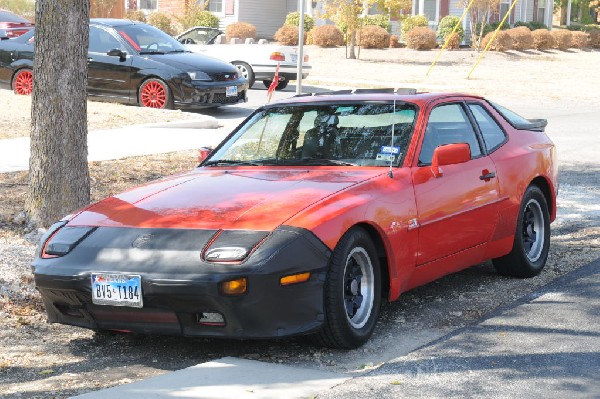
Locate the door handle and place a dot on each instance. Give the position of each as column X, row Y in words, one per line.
column 487, row 175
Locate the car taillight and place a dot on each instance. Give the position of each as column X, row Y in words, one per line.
column 306, row 58
column 277, row 56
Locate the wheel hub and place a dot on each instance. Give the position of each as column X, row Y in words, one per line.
column 354, row 287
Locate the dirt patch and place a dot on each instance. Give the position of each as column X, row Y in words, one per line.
column 16, row 116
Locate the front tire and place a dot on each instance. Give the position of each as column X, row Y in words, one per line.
column 22, row 82
column 246, row 71
column 352, row 292
column 154, row 93
column 532, row 238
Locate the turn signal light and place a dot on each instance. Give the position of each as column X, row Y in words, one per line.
column 295, row 278
column 277, row 56
column 235, row 287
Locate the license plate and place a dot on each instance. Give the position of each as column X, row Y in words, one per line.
column 294, row 57
column 117, row 290
column 231, row 91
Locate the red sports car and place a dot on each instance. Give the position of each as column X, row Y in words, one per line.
column 313, row 211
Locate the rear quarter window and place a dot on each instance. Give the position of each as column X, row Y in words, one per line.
column 493, row 135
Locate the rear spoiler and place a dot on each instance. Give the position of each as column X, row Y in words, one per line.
column 538, row 125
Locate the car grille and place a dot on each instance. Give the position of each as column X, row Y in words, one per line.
column 223, row 77
column 221, row 98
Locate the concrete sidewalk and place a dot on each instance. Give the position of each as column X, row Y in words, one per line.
column 546, row 346
column 127, row 142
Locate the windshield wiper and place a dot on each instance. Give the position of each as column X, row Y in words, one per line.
column 178, row 51
column 151, row 52
column 220, row 162
column 322, row 161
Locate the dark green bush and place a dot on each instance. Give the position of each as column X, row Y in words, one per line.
column 412, row 22
column 293, row 19
column 446, row 25
column 378, row 20
column 196, row 16
column 531, row 25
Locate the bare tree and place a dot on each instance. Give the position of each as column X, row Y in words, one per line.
column 59, row 179
column 479, row 14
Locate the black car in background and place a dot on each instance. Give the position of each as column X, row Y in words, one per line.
column 132, row 62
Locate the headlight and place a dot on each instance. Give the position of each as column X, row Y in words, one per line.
column 63, row 239
column 233, row 245
column 199, row 75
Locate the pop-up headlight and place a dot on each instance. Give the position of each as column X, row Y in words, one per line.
column 233, row 245
column 64, row 240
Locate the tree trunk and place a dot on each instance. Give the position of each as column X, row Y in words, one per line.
column 352, row 54
column 59, row 180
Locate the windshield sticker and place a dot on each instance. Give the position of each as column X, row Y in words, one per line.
column 386, row 157
column 390, row 150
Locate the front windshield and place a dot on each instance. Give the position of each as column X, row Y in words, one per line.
column 149, row 40
column 341, row 134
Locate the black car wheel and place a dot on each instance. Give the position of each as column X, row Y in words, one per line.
column 246, row 71
column 532, row 238
column 22, row 82
column 154, row 93
column 352, row 292
column 280, row 86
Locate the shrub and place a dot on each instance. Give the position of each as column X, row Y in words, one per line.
column 421, row 38
column 293, row 19
column 579, row 39
column 522, row 39
column 309, row 37
column 594, row 40
column 287, row 35
column 196, row 16
column 162, row 21
column 412, row 22
column 135, row 15
column 372, row 36
column 394, row 41
column 378, row 20
column 562, row 39
column 542, row 39
column 241, row 30
column 502, row 42
column 533, row 25
column 327, row 36
column 446, row 26
column 453, row 41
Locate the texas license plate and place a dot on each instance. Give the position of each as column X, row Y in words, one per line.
column 231, row 91
column 117, row 290
column 294, row 57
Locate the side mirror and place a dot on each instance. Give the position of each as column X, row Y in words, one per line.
column 203, row 153
column 449, row 154
column 3, row 35
column 117, row 53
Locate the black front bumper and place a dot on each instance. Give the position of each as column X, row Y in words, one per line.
column 176, row 296
column 199, row 95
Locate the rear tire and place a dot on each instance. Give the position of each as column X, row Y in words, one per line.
column 22, row 82
column 154, row 93
column 532, row 238
column 352, row 292
column 280, row 86
column 246, row 71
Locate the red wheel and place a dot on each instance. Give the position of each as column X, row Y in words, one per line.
column 154, row 93
column 23, row 82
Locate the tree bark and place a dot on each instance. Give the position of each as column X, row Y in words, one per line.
column 352, row 54
column 59, row 179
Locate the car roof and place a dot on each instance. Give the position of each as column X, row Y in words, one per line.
column 112, row 22
column 358, row 95
column 9, row 16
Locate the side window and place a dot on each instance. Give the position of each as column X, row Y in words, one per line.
column 102, row 41
column 448, row 124
column 493, row 135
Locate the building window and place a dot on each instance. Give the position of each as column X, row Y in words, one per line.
column 541, row 11
column 504, row 7
column 215, row 6
column 150, row 5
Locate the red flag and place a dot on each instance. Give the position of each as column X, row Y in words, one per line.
column 273, row 84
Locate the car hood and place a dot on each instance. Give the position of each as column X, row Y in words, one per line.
column 192, row 62
column 222, row 198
